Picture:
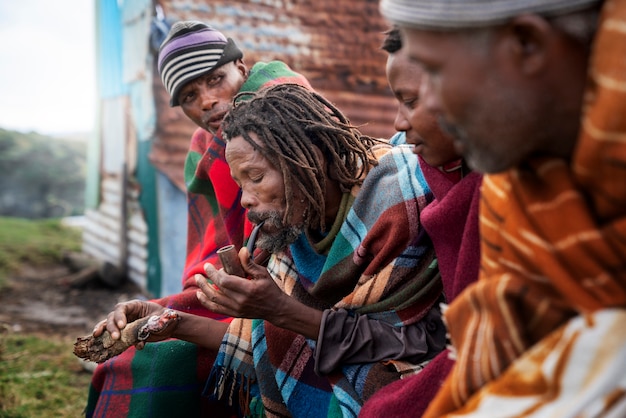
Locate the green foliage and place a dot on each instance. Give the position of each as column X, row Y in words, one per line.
column 40, row 377
column 38, row 242
column 42, row 176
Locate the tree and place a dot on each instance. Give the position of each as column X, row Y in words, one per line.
column 41, row 176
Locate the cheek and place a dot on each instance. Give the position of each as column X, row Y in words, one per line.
column 425, row 123
column 448, row 101
column 459, row 97
column 452, row 92
column 231, row 87
column 439, row 146
column 272, row 191
column 193, row 113
column 274, row 197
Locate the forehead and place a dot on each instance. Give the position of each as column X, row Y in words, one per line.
column 240, row 151
column 399, row 64
column 422, row 45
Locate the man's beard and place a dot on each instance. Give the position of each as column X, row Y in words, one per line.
column 282, row 236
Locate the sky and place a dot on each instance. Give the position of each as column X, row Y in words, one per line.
column 47, row 66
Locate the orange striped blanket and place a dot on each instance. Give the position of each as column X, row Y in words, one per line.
column 541, row 333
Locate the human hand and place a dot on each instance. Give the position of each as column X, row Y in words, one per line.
column 103, row 347
column 256, row 296
column 124, row 313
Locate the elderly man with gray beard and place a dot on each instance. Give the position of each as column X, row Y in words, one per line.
column 531, row 90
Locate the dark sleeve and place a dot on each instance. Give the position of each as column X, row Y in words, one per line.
column 347, row 338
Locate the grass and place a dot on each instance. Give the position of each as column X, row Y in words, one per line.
column 39, row 377
column 38, row 242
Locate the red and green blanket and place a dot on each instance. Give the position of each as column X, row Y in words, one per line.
column 166, row 379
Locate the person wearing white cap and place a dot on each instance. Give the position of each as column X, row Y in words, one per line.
column 532, row 91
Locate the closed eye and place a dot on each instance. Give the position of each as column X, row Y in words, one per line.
column 411, row 103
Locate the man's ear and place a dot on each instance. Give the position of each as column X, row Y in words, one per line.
column 241, row 66
column 531, row 38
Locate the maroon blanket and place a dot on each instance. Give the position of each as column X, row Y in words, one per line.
column 451, row 220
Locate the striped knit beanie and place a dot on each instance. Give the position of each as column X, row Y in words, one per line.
column 460, row 14
column 192, row 49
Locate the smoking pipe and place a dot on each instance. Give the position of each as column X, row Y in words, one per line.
column 229, row 254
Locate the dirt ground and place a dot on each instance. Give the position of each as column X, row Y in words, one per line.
column 44, row 302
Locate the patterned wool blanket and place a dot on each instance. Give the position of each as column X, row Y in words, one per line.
column 377, row 260
column 451, row 221
column 166, row 379
column 541, row 333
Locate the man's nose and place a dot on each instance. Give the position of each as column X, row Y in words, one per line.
column 401, row 123
column 247, row 199
column 208, row 99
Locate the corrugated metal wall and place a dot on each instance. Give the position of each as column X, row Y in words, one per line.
column 103, row 232
column 117, row 222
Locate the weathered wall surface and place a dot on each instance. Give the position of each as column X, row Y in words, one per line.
column 334, row 43
column 135, row 219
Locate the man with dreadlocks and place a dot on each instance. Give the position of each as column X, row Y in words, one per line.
column 348, row 300
column 346, row 335
column 202, row 70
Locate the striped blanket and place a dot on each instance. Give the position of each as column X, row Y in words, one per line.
column 451, row 221
column 380, row 262
column 165, row 379
column 541, row 334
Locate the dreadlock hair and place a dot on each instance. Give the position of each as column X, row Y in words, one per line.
column 288, row 119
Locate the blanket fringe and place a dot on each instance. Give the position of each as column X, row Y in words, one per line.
column 245, row 397
column 216, row 384
column 226, row 385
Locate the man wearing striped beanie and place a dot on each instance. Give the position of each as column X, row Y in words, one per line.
column 190, row 50
column 532, row 90
column 202, row 70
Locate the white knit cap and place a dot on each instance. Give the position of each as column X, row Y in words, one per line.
column 458, row 14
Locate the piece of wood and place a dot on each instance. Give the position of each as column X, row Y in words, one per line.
column 100, row 349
